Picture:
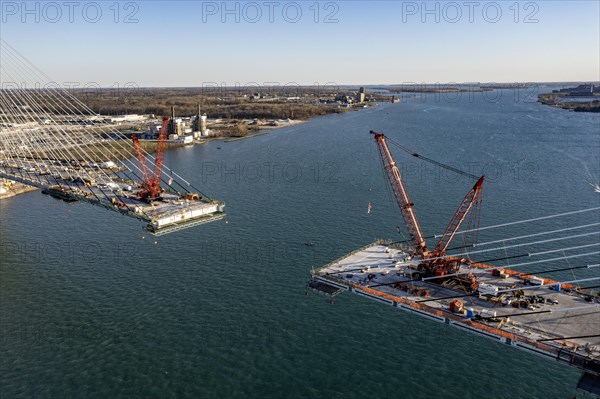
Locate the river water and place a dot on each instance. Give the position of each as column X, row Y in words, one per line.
column 90, row 306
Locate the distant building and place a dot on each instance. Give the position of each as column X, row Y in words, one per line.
column 199, row 125
column 259, row 96
column 188, row 139
column 581, row 90
column 344, row 99
column 152, row 133
column 125, row 118
column 360, row 97
column 203, row 128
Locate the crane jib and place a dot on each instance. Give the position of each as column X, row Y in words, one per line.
column 406, row 206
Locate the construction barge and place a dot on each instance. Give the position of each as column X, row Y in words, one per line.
column 556, row 320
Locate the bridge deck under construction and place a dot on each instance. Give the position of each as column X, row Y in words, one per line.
column 171, row 213
column 548, row 327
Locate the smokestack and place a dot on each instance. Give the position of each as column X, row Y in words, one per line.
column 198, row 110
column 172, row 122
column 203, row 124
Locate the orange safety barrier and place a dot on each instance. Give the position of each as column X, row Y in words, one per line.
column 511, row 272
column 494, row 330
column 474, row 324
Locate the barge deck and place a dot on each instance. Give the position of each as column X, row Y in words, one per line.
column 563, row 326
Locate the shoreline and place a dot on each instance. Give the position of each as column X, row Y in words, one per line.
column 571, row 100
column 264, row 130
column 19, row 189
column 249, row 136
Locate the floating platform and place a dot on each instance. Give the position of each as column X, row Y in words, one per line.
column 562, row 325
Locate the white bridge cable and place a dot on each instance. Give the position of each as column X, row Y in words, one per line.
column 468, row 253
column 61, row 93
column 519, row 245
column 529, row 243
column 33, row 106
column 564, row 249
column 71, row 110
column 25, row 138
column 486, row 270
column 39, row 168
column 11, row 155
column 150, row 157
column 525, row 221
column 534, row 235
column 538, row 261
column 55, row 151
column 49, row 129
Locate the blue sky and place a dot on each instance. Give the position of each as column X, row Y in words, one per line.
column 191, row 43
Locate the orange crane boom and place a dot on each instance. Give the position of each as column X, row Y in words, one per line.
column 140, row 156
column 407, row 207
column 154, row 183
column 459, row 216
column 434, row 262
column 151, row 184
column 404, row 203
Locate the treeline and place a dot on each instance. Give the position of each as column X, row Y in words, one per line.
column 217, row 103
column 238, row 111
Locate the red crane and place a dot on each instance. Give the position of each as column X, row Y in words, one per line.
column 437, row 267
column 404, row 203
column 459, row 216
column 150, row 187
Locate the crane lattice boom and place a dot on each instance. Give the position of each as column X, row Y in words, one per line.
column 404, row 203
column 151, row 185
column 406, row 206
column 459, row 216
